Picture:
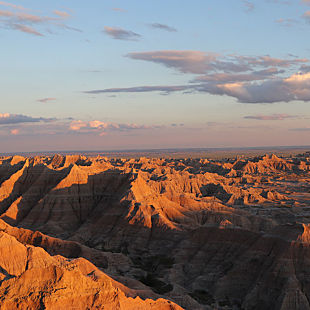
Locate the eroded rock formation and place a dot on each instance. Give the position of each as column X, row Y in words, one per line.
column 154, row 233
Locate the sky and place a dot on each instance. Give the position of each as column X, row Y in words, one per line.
column 131, row 74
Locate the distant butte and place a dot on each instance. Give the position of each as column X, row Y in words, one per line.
column 80, row 232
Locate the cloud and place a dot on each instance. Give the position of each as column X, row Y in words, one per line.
column 307, row 2
column 140, row 89
column 7, row 119
column 248, row 5
column 11, row 5
column 6, row 13
column 102, row 128
column 249, row 79
column 121, row 34
column 44, row 100
column 66, row 27
column 26, row 29
column 25, row 17
column 267, row 61
column 119, row 10
column 77, row 125
column 305, row 68
column 198, row 62
column 62, row 14
column 20, row 19
column 184, row 61
column 14, row 132
column 273, row 117
column 295, row 87
column 287, row 22
column 19, row 124
column 163, row 27
column 306, row 16
column 232, row 78
column 14, row 6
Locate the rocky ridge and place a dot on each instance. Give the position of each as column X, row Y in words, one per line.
column 200, row 233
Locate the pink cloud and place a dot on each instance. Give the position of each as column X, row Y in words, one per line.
column 20, row 20
column 4, row 115
column 27, row 29
column 14, row 6
column 62, row 14
column 77, row 125
column 198, row 62
column 6, row 13
column 119, row 10
column 184, row 61
column 102, row 128
column 121, row 34
column 306, row 16
column 14, row 132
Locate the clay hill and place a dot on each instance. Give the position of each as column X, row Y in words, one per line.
column 82, row 232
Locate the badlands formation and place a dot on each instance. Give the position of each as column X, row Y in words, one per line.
column 95, row 233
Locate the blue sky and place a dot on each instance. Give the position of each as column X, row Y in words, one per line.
column 122, row 74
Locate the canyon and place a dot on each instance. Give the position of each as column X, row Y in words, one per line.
column 80, row 232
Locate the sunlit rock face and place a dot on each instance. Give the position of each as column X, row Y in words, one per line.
column 154, row 233
column 32, row 279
